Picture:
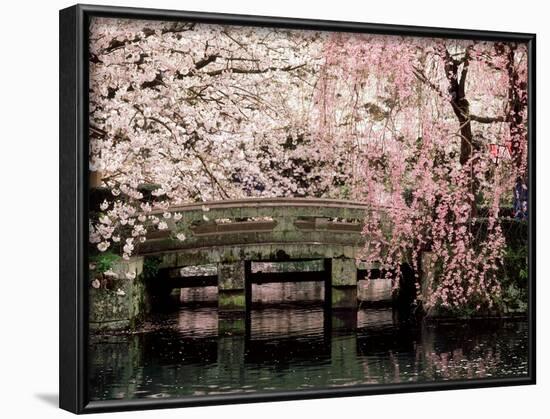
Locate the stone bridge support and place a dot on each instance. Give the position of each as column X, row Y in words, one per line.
column 120, row 301
column 343, row 283
column 232, row 287
column 233, row 297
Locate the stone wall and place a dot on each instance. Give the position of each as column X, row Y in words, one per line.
column 117, row 302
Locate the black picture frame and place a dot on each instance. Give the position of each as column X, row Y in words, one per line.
column 73, row 204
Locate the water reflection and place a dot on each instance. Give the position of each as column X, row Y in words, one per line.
column 306, row 292
column 190, row 352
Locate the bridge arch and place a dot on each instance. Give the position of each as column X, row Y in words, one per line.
column 234, row 233
column 231, row 235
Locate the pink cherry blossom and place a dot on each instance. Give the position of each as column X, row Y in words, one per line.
column 202, row 112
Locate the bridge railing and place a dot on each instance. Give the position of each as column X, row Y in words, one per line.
column 258, row 221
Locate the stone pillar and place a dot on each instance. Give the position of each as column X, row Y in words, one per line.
column 344, row 283
column 231, row 287
column 117, row 300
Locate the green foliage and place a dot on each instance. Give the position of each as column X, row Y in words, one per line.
column 514, row 299
column 514, row 279
column 151, row 267
column 104, row 261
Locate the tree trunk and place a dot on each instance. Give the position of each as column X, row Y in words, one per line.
column 461, row 108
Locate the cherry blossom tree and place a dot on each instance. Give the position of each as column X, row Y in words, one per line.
column 420, row 115
column 186, row 112
column 203, row 112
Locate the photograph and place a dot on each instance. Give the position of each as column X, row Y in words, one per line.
column 280, row 209
column 266, row 209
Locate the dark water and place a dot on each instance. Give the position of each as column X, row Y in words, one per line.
column 191, row 351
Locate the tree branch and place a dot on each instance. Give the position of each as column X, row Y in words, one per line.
column 253, row 70
column 486, row 119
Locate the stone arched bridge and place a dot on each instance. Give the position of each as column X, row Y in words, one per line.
column 230, row 235
column 261, row 230
column 233, row 233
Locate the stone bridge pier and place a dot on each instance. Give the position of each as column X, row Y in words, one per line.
column 343, row 283
column 232, row 286
column 235, row 284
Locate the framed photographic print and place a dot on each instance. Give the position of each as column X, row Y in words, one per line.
column 257, row 209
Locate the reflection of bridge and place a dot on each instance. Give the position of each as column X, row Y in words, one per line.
column 284, row 344
column 234, row 233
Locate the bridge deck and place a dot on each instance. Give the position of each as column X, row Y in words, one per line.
column 259, row 229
